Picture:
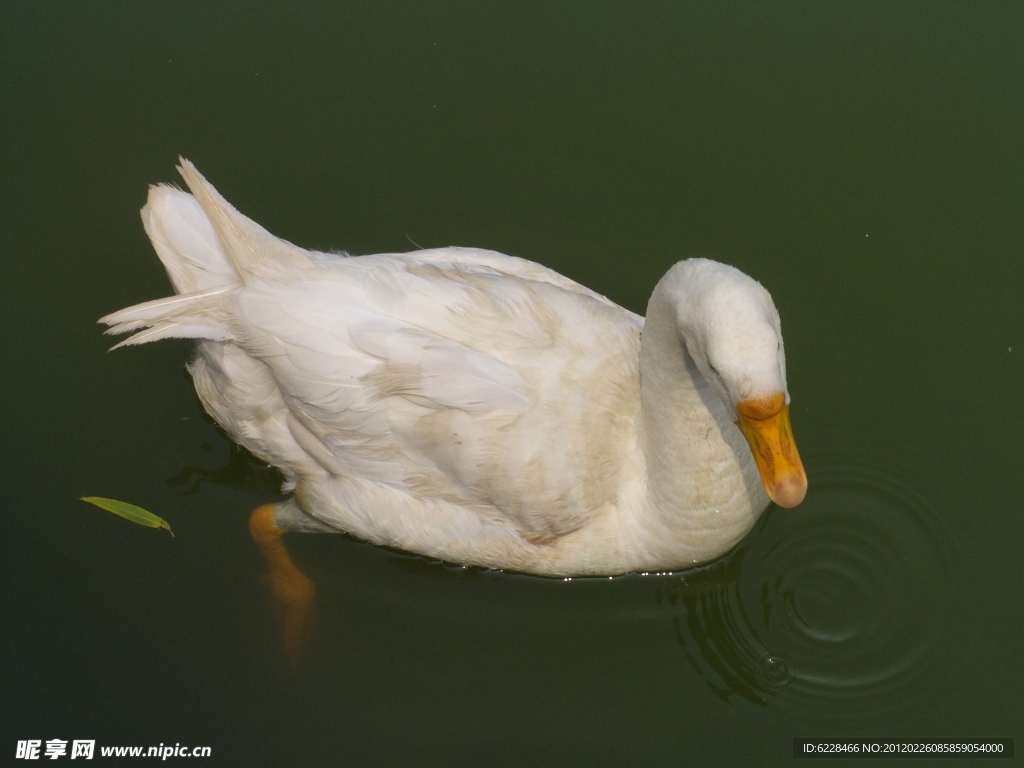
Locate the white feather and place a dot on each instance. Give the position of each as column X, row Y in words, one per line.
column 172, row 330
column 141, row 315
column 185, row 241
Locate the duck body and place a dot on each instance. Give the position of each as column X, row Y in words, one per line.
column 459, row 403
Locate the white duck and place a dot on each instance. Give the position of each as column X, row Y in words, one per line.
column 476, row 407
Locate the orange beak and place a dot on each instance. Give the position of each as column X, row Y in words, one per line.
column 765, row 424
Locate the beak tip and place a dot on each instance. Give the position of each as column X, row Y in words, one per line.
column 789, row 494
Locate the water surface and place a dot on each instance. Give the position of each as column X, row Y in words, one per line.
column 862, row 160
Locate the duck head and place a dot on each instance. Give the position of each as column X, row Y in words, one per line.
column 731, row 329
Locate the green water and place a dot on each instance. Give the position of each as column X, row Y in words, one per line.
column 865, row 161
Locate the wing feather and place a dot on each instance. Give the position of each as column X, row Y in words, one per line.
column 447, row 379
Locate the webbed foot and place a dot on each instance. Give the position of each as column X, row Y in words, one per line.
column 292, row 590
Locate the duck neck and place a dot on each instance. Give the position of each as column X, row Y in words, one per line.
column 703, row 492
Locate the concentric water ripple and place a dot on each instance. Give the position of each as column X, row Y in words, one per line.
column 842, row 604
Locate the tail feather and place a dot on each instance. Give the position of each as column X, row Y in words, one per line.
column 181, row 307
column 209, row 250
column 169, row 329
column 252, row 250
column 190, row 316
column 185, row 241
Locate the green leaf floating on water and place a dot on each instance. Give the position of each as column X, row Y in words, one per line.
column 129, row 512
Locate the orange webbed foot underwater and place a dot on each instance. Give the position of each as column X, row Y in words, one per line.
column 292, row 590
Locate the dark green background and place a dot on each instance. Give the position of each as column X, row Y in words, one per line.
column 865, row 161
